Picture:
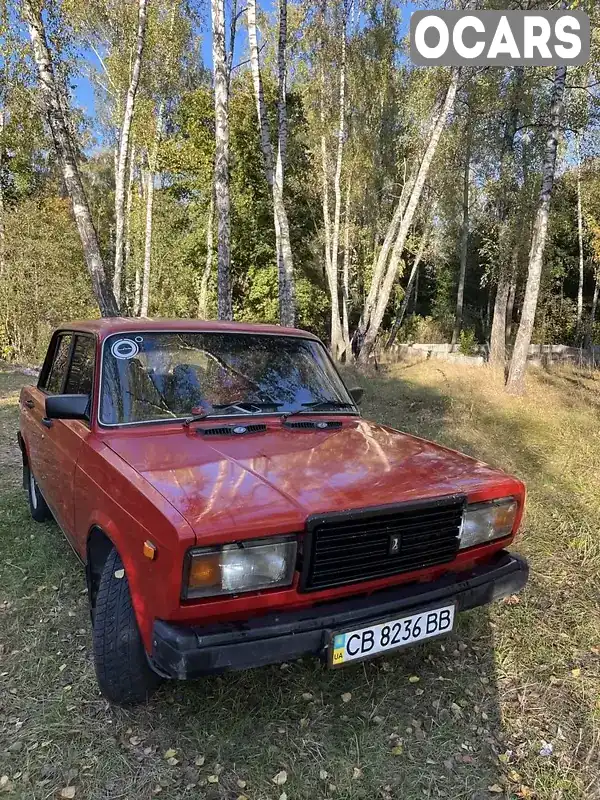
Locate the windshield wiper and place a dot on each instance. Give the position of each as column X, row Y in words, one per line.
column 243, row 406
column 317, row 405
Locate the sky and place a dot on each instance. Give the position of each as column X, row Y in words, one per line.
column 84, row 91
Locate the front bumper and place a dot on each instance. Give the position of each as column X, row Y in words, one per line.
column 190, row 651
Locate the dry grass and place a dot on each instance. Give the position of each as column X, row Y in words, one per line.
column 511, row 679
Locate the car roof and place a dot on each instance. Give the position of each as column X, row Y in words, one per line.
column 109, row 325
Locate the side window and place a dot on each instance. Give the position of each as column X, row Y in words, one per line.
column 54, row 382
column 81, row 371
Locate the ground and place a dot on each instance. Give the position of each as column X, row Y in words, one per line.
column 508, row 707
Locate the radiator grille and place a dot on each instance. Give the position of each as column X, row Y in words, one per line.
column 312, row 424
column 350, row 547
column 227, row 430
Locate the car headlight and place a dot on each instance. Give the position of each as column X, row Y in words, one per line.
column 239, row 567
column 484, row 522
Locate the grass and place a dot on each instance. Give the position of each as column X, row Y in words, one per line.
column 513, row 678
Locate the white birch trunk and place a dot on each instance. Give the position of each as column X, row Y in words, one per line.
column 150, row 178
column 128, row 207
column 412, row 279
column 580, row 239
column 498, row 338
column 203, row 290
column 324, row 153
column 383, row 256
column 516, row 375
column 57, row 119
column 137, row 291
column 464, row 242
column 282, row 133
column 337, row 338
column 121, row 174
column 346, row 275
column 390, row 236
column 221, row 174
column 325, row 181
column 287, row 310
column 415, row 195
column 2, row 210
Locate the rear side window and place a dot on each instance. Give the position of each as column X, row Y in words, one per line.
column 81, row 371
column 58, row 369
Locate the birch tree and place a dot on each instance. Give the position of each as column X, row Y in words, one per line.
column 203, row 289
column 124, row 150
column 150, row 179
column 346, row 272
column 412, row 281
column 58, row 121
column 384, row 291
column 164, row 87
column 337, row 336
column 579, row 237
column 464, row 237
column 221, row 170
column 516, row 376
column 2, row 204
column 287, row 306
column 505, row 285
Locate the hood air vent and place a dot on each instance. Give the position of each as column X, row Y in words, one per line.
column 320, row 425
column 232, row 430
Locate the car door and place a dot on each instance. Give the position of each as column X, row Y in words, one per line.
column 63, row 439
column 35, row 430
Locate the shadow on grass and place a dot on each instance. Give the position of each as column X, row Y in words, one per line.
column 425, row 722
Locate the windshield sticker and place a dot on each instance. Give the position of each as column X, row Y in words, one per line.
column 124, row 348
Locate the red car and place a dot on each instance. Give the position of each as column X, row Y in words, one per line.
column 233, row 508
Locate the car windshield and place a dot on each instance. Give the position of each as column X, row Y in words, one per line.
column 160, row 376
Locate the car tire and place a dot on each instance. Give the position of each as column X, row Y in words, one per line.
column 38, row 507
column 122, row 669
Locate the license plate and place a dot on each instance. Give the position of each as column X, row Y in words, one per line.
column 385, row 636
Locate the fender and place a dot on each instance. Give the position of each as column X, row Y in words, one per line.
column 24, row 457
column 135, row 570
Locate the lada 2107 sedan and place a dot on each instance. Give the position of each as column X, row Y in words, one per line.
column 233, row 508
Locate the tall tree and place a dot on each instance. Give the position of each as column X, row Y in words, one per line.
column 579, row 238
column 346, row 272
column 58, row 121
column 516, row 376
column 203, row 288
column 337, row 337
column 2, row 203
column 221, row 170
column 412, row 281
column 385, row 288
column 164, row 86
column 287, row 305
column 464, row 237
column 504, row 285
column 124, row 150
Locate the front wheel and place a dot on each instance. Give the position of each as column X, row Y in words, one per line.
column 38, row 507
column 124, row 675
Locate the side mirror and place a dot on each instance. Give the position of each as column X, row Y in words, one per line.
column 68, row 406
column 356, row 393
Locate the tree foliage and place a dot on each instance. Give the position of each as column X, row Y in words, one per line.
column 371, row 160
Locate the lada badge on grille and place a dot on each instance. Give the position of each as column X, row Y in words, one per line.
column 394, row 545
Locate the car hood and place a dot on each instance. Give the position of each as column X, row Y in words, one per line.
column 269, row 482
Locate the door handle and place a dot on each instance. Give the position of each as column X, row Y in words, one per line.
column 47, row 422
column 29, row 403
